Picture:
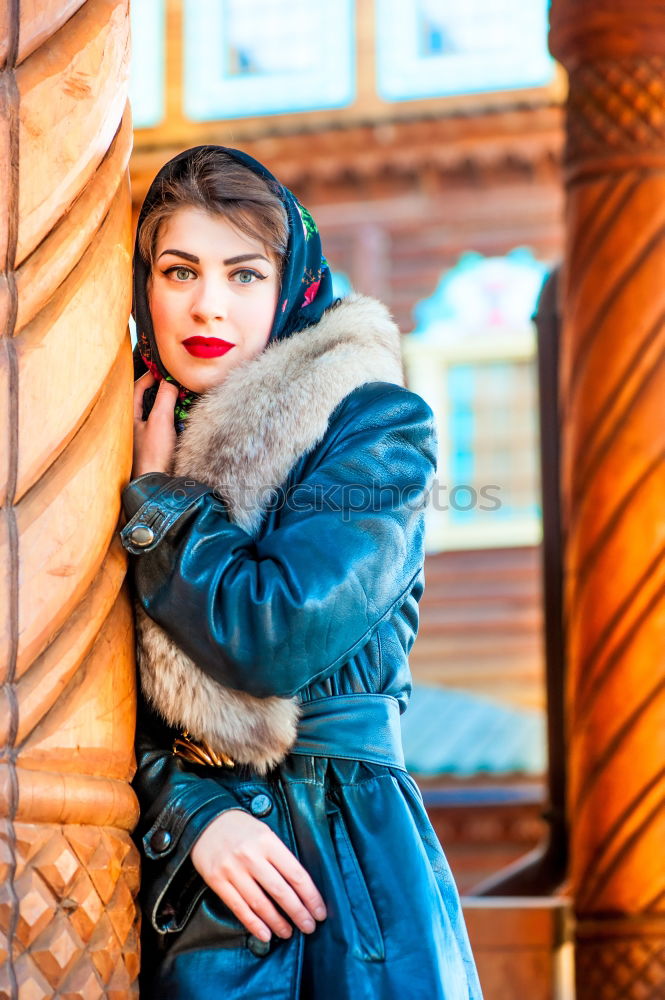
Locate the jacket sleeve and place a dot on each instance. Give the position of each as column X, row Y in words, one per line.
column 271, row 616
column 177, row 804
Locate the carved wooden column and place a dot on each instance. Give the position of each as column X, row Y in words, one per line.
column 68, row 868
column 613, row 488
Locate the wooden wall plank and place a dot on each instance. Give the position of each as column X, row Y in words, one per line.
column 73, row 95
column 481, row 624
column 65, row 354
column 522, row 946
column 49, row 797
column 5, row 410
column 5, row 607
column 39, row 20
column 56, row 256
column 66, row 522
column 39, row 688
column 4, row 33
column 6, row 172
column 90, row 729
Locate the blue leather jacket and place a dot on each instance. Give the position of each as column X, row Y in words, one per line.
column 322, row 605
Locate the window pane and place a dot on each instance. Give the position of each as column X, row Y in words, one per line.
column 493, row 441
column 250, row 57
column 146, row 85
column 431, row 48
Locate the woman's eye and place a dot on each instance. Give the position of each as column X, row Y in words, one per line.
column 183, row 273
column 247, row 276
column 180, row 273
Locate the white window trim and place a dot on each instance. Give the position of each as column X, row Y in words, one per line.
column 209, row 95
column 404, row 75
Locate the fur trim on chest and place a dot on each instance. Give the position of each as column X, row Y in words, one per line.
column 243, row 438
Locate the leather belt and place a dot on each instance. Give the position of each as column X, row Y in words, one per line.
column 363, row 727
column 352, row 726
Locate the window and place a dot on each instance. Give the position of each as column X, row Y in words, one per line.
column 427, row 48
column 472, row 356
column 146, row 86
column 256, row 57
column 491, row 453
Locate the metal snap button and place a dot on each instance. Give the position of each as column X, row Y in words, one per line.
column 141, row 535
column 261, row 805
column 257, row 946
column 160, row 841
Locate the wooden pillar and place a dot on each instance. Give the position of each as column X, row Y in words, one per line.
column 68, row 867
column 613, row 488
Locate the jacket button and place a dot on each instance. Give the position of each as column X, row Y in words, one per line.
column 160, row 841
column 257, row 946
column 261, row 805
column 141, row 535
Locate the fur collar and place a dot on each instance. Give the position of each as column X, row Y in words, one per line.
column 242, row 438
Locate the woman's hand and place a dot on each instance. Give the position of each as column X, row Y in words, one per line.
column 154, row 438
column 239, row 856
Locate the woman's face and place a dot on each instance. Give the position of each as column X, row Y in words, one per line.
column 212, row 294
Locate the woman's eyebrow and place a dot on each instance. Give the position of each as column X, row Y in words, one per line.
column 231, row 260
column 246, row 256
column 181, row 253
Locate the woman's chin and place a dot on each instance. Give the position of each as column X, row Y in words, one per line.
column 199, row 382
column 201, row 387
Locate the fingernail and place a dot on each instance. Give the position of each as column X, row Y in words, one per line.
column 320, row 912
column 309, row 925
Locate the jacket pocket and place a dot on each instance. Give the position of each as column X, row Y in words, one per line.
column 367, row 942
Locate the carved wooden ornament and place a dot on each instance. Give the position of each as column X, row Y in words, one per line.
column 613, row 489
column 68, row 867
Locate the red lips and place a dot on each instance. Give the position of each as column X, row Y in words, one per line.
column 207, row 347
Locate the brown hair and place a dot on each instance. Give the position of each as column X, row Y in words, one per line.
column 217, row 183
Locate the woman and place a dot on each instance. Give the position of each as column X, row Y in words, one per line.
column 275, row 519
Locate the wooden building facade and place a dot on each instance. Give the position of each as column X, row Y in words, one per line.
column 400, row 190
column 402, row 183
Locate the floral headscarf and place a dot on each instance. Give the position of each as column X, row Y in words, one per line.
column 306, row 288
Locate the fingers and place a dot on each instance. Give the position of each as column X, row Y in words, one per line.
column 251, row 870
column 140, row 387
column 298, row 878
column 165, row 400
column 243, row 892
column 154, row 438
column 260, row 905
column 280, row 890
column 235, row 902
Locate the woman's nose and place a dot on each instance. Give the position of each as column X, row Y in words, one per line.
column 210, row 300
